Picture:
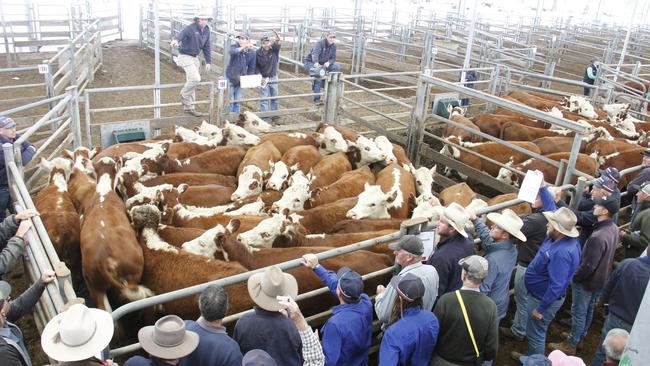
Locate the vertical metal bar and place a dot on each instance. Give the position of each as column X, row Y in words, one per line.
column 73, row 110
column 49, row 83
column 627, row 40
column 416, row 124
column 156, row 91
column 89, row 140
column 120, row 22
column 577, row 196
column 72, row 70
column 333, row 93
column 470, row 41
column 575, row 149
column 211, row 108
column 140, row 27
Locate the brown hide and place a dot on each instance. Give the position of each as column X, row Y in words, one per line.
column 357, row 226
column 176, row 236
column 222, row 160
column 459, row 193
column 552, row 144
column 297, row 239
column 523, row 208
column 118, row 150
column 306, row 156
column 329, row 169
column 497, row 152
column 206, row 196
column 459, row 132
column 351, row 184
column 260, row 156
column 322, row 219
column 516, row 132
column 624, row 160
column 604, row 147
column 386, row 181
column 584, row 163
column 192, row 179
column 283, row 141
column 534, row 101
column 183, row 150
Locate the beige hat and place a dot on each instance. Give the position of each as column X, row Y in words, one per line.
column 508, row 221
column 204, row 13
column 77, row 334
column 168, row 339
column 564, row 221
column 456, row 217
column 475, row 265
column 264, row 288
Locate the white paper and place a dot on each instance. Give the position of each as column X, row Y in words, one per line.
column 250, row 81
column 428, row 240
column 530, row 186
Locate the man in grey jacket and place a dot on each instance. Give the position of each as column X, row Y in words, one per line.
column 408, row 253
column 12, row 238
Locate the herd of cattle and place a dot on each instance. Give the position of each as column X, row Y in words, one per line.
column 612, row 137
column 150, row 217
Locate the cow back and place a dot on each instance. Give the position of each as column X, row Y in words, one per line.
column 206, row 196
column 260, row 156
column 459, row 193
column 119, row 150
column 192, row 179
column 184, row 149
column 552, row 144
column 605, row 147
column 351, row 184
column 386, row 180
column 306, row 156
column 329, row 169
column 322, row 219
column 283, row 141
column 222, row 160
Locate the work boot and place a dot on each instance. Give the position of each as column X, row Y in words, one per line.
column 566, row 335
column 516, row 356
column 194, row 113
column 563, row 346
column 508, row 333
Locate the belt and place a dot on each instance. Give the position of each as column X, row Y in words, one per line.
column 187, row 54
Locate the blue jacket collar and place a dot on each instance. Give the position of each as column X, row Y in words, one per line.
column 499, row 245
column 210, row 328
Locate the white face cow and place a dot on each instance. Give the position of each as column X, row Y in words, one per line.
column 386, row 147
column 582, row 106
column 373, row 203
column 331, row 141
column 618, row 110
column 280, row 175
column 210, row 132
column 252, row 123
column 60, row 170
column 507, row 176
column 185, row 134
column 238, row 136
column 263, row 235
column 424, row 180
column 456, row 111
column 249, row 183
column 368, row 150
column 429, row 208
column 293, row 199
column 206, row 244
column 251, row 209
column 555, row 112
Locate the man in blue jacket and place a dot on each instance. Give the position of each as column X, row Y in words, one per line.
column 268, row 57
column 323, row 54
column 550, row 272
column 347, row 335
column 590, row 74
column 242, row 62
column 193, row 39
column 9, row 135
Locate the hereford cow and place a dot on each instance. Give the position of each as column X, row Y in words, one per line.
column 533, row 101
column 295, row 196
column 330, row 140
column 492, row 124
column 110, row 252
column 584, row 164
column 552, row 144
column 192, row 179
column 394, row 153
column 523, row 208
column 261, row 156
column 329, row 169
column 600, row 147
column 206, row 195
column 252, row 123
column 623, row 160
column 322, row 219
column 516, row 132
column 351, row 184
column 283, row 141
column 82, row 183
column 364, row 151
column 222, row 160
column 457, row 114
column 459, row 193
column 302, row 158
column 388, row 198
column 424, row 180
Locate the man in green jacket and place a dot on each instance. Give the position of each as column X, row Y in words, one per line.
column 12, row 238
column 636, row 240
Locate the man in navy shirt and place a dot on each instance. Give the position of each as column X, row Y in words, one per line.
column 242, row 62
column 347, row 335
column 193, row 39
column 215, row 348
column 9, row 135
column 268, row 56
column 323, row 54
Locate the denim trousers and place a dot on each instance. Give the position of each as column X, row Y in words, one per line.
column 269, row 90
column 611, row 322
column 536, row 329
column 318, row 84
column 521, row 295
column 235, row 94
column 583, row 303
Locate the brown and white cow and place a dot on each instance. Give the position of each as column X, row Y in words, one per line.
column 284, row 141
column 261, row 156
column 364, row 151
column 513, row 131
column 192, row 179
column 330, row 140
column 295, row 196
column 329, row 169
column 302, row 158
column 459, row 193
column 492, row 124
column 623, row 160
column 601, row 148
column 584, row 164
column 457, row 115
column 252, row 123
column 222, row 160
column 81, row 184
column 533, row 101
column 351, row 184
column 552, row 144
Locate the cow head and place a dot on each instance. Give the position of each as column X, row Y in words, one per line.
column 185, row 134
column 429, row 208
column 264, row 234
column 107, row 168
column 252, row 123
column 255, row 208
column 146, row 216
column 210, row 132
column 582, row 106
column 331, row 141
column 424, row 180
column 555, row 112
column 386, row 147
column 368, row 151
column 293, row 198
column 127, row 178
column 455, row 111
column 210, row 241
column 60, row 170
column 280, row 175
column 373, row 203
column 249, row 183
column 616, row 111
column 507, row 176
column 238, row 136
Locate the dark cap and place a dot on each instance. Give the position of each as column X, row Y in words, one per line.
column 243, row 35
column 5, row 290
column 265, row 37
column 409, row 243
column 350, row 283
column 611, row 203
column 258, row 357
column 646, row 152
column 475, row 265
column 535, row 360
column 7, row 122
column 410, row 287
column 605, row 183
column 611, row 173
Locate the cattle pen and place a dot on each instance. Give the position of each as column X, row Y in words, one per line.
column 400, row 71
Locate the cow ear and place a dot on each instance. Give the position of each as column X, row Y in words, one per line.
column 233, row 226
column 316, row 191
column 226, row 133
column 46, row 164
column 145, row 169
column 433, row 170
column 294, row 168
column 67, row 153
column 241, row 119
column 286, row 212
column 253, row 185
column 392, row 197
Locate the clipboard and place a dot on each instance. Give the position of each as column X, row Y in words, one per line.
column 250, row 81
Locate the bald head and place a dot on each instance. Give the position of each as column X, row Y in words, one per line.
column 615, row 342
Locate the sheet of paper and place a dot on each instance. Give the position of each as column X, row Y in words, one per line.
column 428, row 240
column 530, row 186
column 250, row 81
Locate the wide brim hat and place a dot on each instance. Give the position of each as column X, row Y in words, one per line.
column 564, row 221
column 265, row 287
column 5, row 290
column 56, row 349
column 456, row 216
column 204, row 14
column 180, row 349
column 508, row 221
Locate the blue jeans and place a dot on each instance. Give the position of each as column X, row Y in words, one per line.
column 521, row 295
column 582, row 311
column 611, row 322
column 235, row 94
column 317, row 85
column 269, row 90
column 536, row 329
column 5, row 198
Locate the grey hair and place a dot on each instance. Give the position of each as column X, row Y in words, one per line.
column 472, row 279
column 213, row 303
column 613, row 348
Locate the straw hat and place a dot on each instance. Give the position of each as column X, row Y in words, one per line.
column 508, row 221
column 564, row 221
column 168, row 339
column 456, row 217
column 263, row 288
column 77, row 334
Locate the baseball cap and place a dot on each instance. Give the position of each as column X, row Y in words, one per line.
column 611, row 173
column 265, row 37
column 243, row 35
column 409, row 243
column 7, row 122
column 535, row 360
column 645, row 188
column 410, row 287
column 349, row 283
column 611, row 203
column 258, row 357
column 605, row 183
column 5, row 290
column 475, row 265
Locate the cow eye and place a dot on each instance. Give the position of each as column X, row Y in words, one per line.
column 418, row 183
column 284, row 176
column 255, row 123
column 240, row 135
column 265, row 235
column 214, row 134
column 372, row 205
column 333, row 140
column 367, row 148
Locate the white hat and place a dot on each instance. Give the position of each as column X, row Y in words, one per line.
column 508, row 221
column 77, row 334
column 564, row 221
column 204, row 13
column 456, row 217
column 265, row 287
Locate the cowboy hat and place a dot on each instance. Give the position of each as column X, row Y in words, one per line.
column 77, row 334
column 264, row 287
column 564, row 221
column 168, row 339
column 456, row 216
column 204, row 13
column 508, row 221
